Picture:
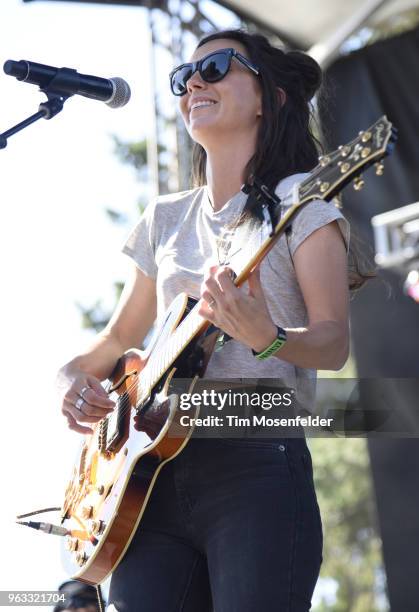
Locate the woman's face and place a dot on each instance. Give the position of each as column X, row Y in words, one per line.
column 237, row 100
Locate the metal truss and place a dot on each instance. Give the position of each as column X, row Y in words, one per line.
column 175, row 27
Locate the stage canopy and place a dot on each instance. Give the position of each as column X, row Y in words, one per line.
column 303, row 23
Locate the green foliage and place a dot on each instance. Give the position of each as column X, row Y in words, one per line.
column 115, row 216
column 96, row 316
column 132, row 153
column 352, row 546
column 93, row 317
column 352, row 556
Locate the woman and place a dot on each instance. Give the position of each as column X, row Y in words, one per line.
column 232, row 524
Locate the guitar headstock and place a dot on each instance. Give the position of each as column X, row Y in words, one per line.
column 345, row 164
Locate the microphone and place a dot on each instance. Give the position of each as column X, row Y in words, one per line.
column 114, row 92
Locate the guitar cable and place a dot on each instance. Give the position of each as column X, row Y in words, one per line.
column 46, row 527
column 56, row 530
column 21, row 516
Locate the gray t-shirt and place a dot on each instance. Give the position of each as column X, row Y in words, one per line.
column 179, row 235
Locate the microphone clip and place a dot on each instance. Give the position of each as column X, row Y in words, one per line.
column 53, row 105
column 57, row 92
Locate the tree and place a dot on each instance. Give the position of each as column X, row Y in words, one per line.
column 96, row 316
column 352, row 546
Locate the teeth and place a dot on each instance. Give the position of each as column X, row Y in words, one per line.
column 206, row 103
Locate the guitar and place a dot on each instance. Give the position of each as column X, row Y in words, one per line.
column 119, row 462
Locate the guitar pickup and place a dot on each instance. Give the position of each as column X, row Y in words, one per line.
column 116, row 425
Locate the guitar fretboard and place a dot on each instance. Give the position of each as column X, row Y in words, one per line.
column 159, row 361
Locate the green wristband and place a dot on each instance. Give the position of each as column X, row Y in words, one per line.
column 278, row 343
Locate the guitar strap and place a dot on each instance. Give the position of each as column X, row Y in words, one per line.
column 247, row 233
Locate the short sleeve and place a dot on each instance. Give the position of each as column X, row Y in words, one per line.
column 141, row 243
column 313, row 216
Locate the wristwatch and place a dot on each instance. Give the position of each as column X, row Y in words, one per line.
column 278, row 343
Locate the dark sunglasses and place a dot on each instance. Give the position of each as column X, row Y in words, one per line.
column 212, row 68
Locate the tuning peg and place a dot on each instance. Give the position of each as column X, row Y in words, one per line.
column 358, row 183
column 379, row 168
column 344, row 150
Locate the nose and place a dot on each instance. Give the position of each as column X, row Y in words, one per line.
column 195, row 82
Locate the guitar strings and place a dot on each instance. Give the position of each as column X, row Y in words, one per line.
column 124, row 403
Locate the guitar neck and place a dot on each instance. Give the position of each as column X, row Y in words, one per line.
column 160, row 361
column 334, row 171
column 194, row 324
column 264, row 249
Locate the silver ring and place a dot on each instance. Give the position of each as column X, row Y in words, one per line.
column 79, row 403
column 82, row 391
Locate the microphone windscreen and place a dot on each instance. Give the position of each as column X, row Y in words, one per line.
column 121, row 93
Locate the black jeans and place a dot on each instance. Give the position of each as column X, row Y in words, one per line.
column 232, row 525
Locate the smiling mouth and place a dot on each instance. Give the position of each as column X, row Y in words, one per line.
column 203, row 106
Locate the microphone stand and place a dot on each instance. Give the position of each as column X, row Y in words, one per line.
column 47, row 110
column 56, row 92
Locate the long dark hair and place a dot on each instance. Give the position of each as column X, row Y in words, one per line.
column 285, row 142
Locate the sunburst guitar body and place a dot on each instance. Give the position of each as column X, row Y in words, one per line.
column 118, row 464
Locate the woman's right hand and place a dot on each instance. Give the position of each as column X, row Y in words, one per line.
column 82, row 399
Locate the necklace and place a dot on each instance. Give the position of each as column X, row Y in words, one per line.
column 224, row 242
column 228, row 233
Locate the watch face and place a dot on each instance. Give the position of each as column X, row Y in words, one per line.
column 282, row 333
